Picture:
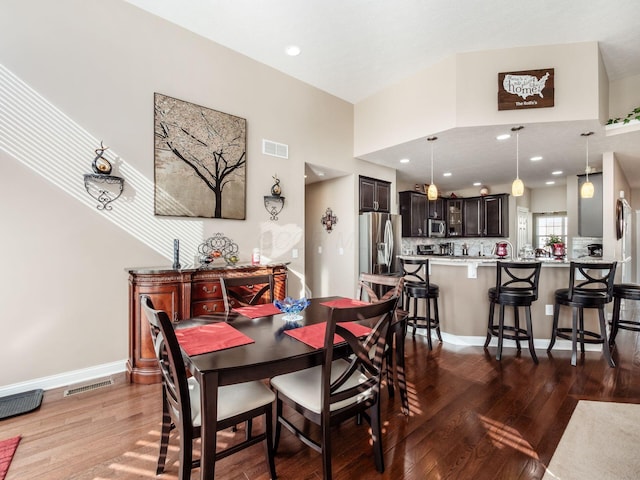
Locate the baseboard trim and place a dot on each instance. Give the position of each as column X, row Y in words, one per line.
column 538, row 343
column 66, row 378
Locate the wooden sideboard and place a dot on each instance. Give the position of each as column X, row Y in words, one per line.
column 182, row 294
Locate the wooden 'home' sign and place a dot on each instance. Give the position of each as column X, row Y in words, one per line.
column 526, row 89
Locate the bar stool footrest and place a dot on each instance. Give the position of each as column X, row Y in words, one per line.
column 592, row 337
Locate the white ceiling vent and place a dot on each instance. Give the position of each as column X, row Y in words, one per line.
column 275, row 149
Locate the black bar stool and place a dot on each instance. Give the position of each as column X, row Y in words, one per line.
column 626, row 291
column 593, row 290
column 516, row 286
column 418, row 287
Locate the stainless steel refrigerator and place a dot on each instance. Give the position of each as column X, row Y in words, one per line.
column 380, row 242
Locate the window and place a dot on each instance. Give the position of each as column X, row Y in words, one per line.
column 547, row 224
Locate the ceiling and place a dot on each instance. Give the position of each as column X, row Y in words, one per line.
column 355, row 48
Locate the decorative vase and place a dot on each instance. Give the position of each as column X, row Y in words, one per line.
column 558, row 250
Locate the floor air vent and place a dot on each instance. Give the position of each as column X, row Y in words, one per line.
column 87, row 388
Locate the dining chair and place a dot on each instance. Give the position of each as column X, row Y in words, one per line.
column 242, row 291
column 376, row 288
column 339, row 388
column 590, row 286
column 181, row 401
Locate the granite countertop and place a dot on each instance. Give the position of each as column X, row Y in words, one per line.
column 487, row 260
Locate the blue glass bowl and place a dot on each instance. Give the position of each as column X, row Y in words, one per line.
column 291, row 308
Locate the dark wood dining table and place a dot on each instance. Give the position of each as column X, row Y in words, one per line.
column 272, row 353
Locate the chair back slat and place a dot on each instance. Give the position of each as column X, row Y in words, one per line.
column 597, row 279
column 518, row 277
column 367, row 354
column 242, row 291
column 413, row 271
column 377, row 288
column 172, row 367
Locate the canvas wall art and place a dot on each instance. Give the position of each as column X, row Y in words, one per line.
column 200, row 161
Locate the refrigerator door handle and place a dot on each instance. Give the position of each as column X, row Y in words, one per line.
column 388, row 242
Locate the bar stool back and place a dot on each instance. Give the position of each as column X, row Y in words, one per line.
column 590, row 286
column 516, row 286
column 417, row 286
column 623, row 291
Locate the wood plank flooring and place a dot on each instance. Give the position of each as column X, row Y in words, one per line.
column 471, row 418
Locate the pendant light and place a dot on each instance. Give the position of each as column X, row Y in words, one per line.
column 432, row 191
column 587, row 190
column 517, row 187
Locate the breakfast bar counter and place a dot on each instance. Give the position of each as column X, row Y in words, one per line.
column 464, row 306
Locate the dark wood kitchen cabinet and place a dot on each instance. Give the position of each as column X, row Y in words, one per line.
column 472, row 217
column 436, row 209
column 182, row 294
column 413, row 208
column 496, row 215
column 375, row 195
column 486, row 216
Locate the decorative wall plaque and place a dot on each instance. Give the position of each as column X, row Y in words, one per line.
column 526, row 89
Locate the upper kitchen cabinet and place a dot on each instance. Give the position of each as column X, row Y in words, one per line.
column 454, row 218
column 590, row 209
column 413, row 208
column 486, row 216
column 436, row 209
column 375, row 195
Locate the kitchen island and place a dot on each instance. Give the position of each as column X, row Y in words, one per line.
column 464, row 306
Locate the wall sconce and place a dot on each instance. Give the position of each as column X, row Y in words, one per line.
column 101, row 185
column 274, row 203
column 328, row 220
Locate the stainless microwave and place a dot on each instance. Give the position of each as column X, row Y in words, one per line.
column 436, row 228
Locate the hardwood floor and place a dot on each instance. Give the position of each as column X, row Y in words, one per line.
column 471, row 418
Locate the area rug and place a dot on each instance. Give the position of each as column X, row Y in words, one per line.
column 600, row 442
column 20, row 403
column 7, row 449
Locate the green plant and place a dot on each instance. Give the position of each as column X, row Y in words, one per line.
column 551, row 239
column 633, row 115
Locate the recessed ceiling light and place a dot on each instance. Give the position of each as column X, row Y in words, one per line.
column 404, row 160
column 557, row 172
column 446, row 174
column 536, row 158
column 292, row 50
column 321, row 174
column 477, row 184
column 550, row 182
column 504, row 136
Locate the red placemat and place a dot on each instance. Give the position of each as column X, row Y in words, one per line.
column 7, row 450
column 257, row 311
column 344, row 303
column 313, row 335
column 210, row 338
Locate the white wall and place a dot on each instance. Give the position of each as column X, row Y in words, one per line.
column 624, row 96
column 64, row 304
column 461, row 91
column 330, row 256
column 549, row 199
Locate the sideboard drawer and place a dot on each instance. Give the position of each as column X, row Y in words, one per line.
column 206, row 290
column 207, row 307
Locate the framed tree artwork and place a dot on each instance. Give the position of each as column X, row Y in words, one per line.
column 200, row 159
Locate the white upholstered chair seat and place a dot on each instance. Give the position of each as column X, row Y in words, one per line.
column 232, row 399
column 304, row 386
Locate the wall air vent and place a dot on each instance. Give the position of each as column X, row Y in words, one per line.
column 275, row 149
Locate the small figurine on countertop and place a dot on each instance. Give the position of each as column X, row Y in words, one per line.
column 101, row 165
column 176, row 254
